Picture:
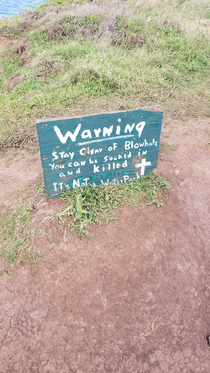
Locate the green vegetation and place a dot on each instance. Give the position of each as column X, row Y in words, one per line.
column 99, row 204
column 41, row 189
column 14, row 238
column 207, row 15
column 167, row 148
column 75, row 57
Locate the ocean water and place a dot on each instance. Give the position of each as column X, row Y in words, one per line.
column 10, row 7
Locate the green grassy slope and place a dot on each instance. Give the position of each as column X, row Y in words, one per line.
column 77, row 57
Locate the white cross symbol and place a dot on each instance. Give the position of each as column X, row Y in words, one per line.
column 142, row 165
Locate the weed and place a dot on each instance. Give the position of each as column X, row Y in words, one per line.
column 99, row 204
column 89, row 21
column 129, row 33
column 38, row 35
column 121, row 22
column 15, row 232
column 41, row 189
column 207, row 15
column 167, row 148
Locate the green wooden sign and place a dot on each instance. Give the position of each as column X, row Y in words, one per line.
column 98, row 149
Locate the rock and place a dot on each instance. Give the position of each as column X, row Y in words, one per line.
column 176, row 172
column 38, row 314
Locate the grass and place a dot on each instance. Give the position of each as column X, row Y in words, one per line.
column 83, row 207
column 15, row 238
column 99, row 204
column 95, row 57
column 40, row 188
column 166, row 148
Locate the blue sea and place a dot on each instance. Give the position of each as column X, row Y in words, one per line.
column 10, row 7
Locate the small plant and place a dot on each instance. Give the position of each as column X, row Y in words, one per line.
column 41, row 189
column 129, row 33
column 99, row 204
column 167, row 148
column 90, row 22
column 38, row 35
column 207, row 15
column 121, row 22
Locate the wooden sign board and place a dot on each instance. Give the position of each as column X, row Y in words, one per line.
column 98, row 149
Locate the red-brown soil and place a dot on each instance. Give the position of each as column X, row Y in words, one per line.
column 136, row 297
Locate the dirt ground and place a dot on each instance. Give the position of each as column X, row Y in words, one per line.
column 136, row 297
